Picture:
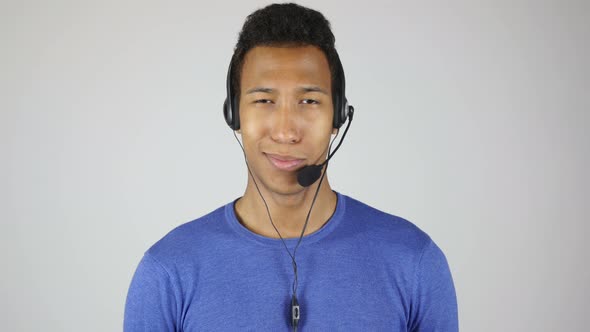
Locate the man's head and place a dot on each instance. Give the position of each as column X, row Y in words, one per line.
column 284, row 25
column 288, row 77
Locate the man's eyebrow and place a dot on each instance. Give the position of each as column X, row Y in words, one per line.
column 259, row 89
column 313, row 88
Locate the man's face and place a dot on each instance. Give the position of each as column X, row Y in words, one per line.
column 285, row 113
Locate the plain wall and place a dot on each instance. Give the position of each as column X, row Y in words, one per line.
column 472, row 121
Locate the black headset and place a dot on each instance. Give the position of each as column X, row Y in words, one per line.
column 341, row 108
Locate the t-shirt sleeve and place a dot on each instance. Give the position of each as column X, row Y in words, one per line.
column 434, row 302
column 151, row 303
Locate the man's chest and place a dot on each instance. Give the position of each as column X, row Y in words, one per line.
column 342, row 292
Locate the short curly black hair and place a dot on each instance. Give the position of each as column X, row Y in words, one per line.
column 286, row 24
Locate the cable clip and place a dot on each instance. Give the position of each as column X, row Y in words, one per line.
column 295, row 312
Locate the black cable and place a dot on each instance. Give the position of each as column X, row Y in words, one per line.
column 295, row 281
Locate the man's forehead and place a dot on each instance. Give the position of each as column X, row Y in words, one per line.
column 307, row 64
column 269, row 57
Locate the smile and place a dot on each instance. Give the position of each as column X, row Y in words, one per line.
column 284, row 163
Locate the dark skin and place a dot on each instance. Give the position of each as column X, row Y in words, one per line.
column 286, row 123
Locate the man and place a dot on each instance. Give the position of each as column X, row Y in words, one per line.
column 291, row 253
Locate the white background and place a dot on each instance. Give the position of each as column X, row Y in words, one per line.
column 472, row 121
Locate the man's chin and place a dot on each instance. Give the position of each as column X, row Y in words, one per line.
column 286, row 188
column 284, row 185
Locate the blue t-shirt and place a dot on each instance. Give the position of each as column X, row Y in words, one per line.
column 364, row 270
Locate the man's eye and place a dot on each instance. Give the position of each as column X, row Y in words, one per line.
column 310, row 101
column 263, row 101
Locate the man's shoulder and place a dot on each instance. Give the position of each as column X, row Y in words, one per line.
column 190, row 238
column 384, row 227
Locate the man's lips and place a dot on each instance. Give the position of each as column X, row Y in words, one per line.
column 284, row 163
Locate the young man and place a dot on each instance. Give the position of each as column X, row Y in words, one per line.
column 291, row 253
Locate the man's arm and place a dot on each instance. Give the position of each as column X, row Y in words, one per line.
column 151, row 301
column 434, row 302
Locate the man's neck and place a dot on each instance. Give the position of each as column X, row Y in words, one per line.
column 288, row 212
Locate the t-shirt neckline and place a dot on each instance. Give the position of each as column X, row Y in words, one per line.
column 326, row 229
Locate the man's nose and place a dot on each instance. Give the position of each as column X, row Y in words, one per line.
column 285, row 125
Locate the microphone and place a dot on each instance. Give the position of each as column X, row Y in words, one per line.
column 309, row 174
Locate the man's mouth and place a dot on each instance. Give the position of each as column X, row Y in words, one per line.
column 284, row 163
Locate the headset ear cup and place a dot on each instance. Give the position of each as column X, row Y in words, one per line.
column 340, row 113
column 227, row 113
column 235, row 114
column 341, row 107
column 230, row 108
column 344, row 111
